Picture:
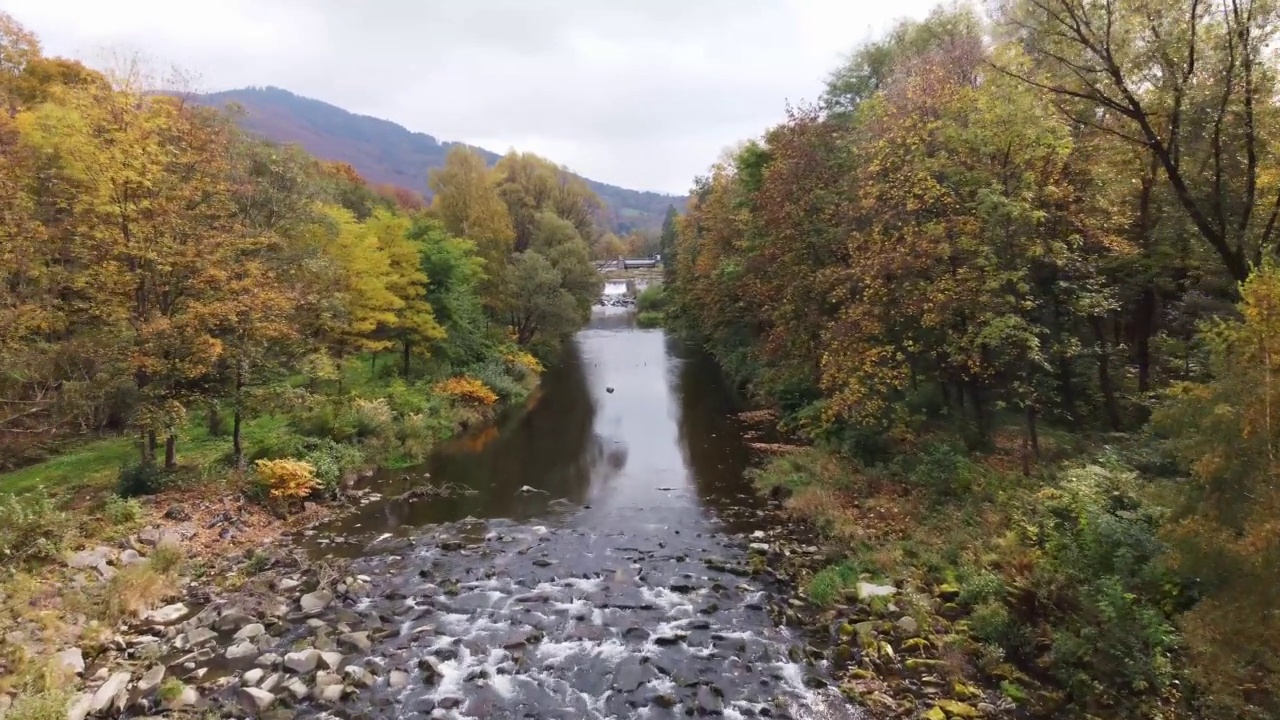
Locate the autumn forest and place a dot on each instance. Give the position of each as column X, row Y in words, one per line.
column 1007, row 293
column 1023, row 265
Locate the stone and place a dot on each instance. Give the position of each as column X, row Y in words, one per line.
column 272, row 682
column 188, row 697
column 908, row 624
column 250, row 631
column 131, row 557
column 868, row 590
column 286, row 584
column 707, row 702
column 151, row 679
column 681, row 586
column 957, row 709
column 357, row 675
column 71, row 659
column 198, row 636
column 111, row 693
column 327, row 678
column 397, row 679
column 330, row 693
column 314, row 602
column 450, row 702
column 232, row 620
column 759, row 547
column 297, row 689
column 758, row 535
column 79, row 709
column 355, row 641
column 242, row 649
column 302, row 662
column 252, row 677
column 948, row 592
column 167, row 615
column 331, row 659
column 90, row 558
column 255, row 700
column 935, row 713
column 268, row 660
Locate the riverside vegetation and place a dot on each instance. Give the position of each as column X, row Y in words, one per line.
column 1012, row 282
column 237, row 327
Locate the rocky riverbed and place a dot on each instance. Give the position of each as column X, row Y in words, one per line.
column 479, row 619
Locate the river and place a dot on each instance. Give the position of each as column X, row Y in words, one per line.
column 590, row 561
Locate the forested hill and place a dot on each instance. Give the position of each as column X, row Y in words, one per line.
column 384, row 152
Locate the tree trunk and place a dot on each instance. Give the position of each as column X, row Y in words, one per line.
column 171, row 452
column 1030, row 441
column 150, row 452
column 1067, row 388
column 1104, row 375
column 237, row 449
column 214, row 420
column 1144, row 325
column 407, row 346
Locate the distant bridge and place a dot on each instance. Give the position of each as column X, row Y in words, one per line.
column 623, row 263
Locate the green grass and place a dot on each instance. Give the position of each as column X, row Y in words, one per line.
column 649, row 319
column 826, row 587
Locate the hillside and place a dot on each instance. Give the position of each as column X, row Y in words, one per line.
column 384, row 152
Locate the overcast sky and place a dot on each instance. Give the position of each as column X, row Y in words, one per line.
column 639, row 93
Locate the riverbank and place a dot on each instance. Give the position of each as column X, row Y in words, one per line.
column 92, row 542
column 957, row 586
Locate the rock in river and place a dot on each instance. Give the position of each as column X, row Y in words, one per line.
column 303, row 661
column 255, row 700
column 314, row 602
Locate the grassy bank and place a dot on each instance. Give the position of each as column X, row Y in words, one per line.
column 97, row 494
column 1060, row 590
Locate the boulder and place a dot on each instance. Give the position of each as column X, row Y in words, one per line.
column 255, row 700
column 355, row 641
column 110, row 693
column 167, row 615
column 90, row 558
column 957, row 709
column 232, row 620
column 242, row 649
column 131, row 557
column 70, row 659
column 151, row 679
column 908, row 624
column 330, row 693
column 250, row 631
column 252, row 677
column 79, row 709
column 272, row 682
column 303, row 661
column 297, row 689
column 268, row 660
column 332, row 660
column 358, row 676
column 327, row 678
column 314, row 602
column 868, row 590
column 397, row 679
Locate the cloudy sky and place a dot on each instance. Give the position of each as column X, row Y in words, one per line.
column 639, row 93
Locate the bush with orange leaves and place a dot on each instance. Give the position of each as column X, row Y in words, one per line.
column 525, row 361
column 467, row 389
column 287, row 479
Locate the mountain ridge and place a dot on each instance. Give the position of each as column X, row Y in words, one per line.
column 383, row 151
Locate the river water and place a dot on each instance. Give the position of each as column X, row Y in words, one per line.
column 591, row 561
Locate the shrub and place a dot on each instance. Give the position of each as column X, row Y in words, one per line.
column 419, row 433
column 287, row 478
column 468, row 390
column 523, row 361
column 31, row 528
column 826, row 587
column 372, row 418
column 139, row 478
column 649, row 319
column 943, row 468
column 166, row 558
column 121, row 511
column 131, row 591
column 48, row 704
column 798, row 470
column 652, row 299
column 330, row 461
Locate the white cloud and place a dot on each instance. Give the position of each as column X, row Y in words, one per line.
column 642, row 94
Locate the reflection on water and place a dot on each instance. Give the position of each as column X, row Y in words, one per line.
column 632, row 425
